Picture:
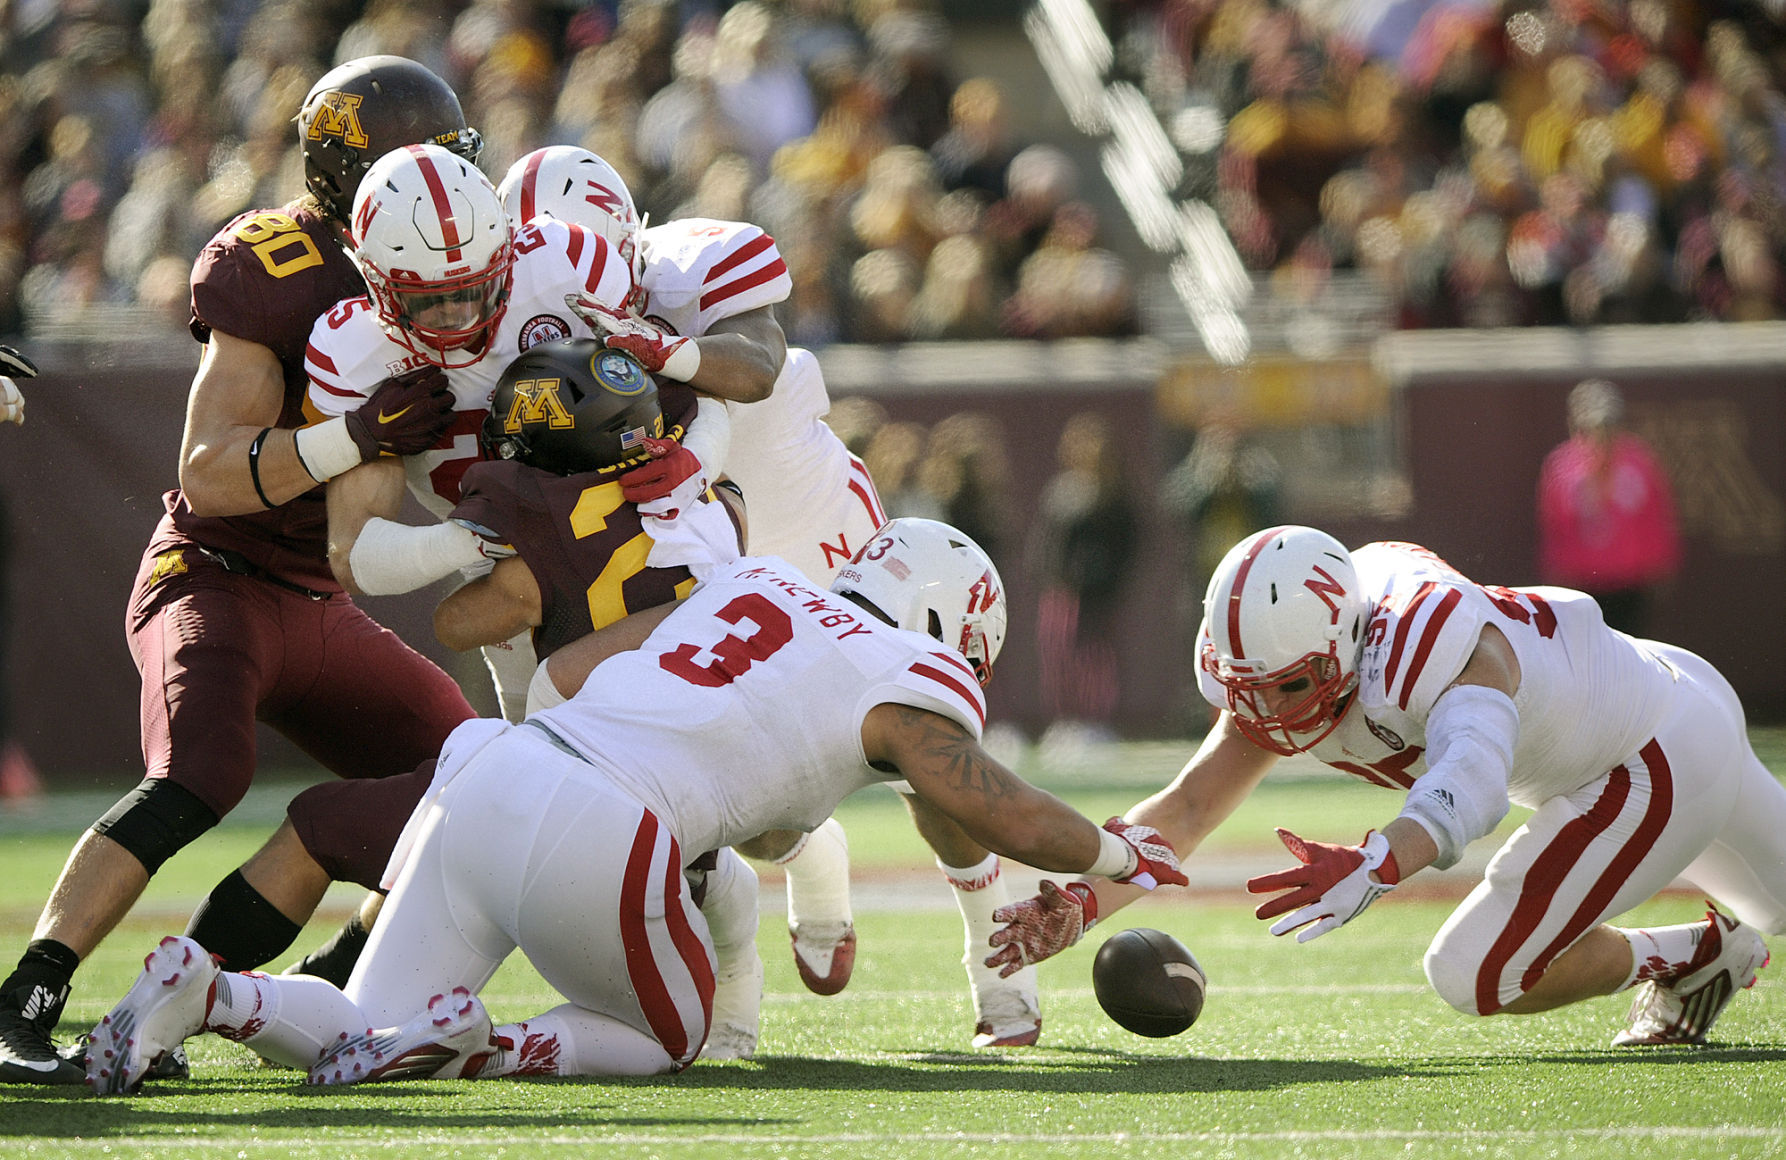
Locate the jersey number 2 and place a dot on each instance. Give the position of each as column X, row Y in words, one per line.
column 735, row 654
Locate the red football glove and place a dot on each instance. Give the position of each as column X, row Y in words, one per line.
column 657, row 350
column 404, row 416
column 1041, row 927
column 1331, row 887
column 1156, row 863
column 671, row 466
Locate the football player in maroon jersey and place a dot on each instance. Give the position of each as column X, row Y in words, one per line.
column 236, row 615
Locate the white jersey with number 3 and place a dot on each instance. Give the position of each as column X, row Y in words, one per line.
column 767, row 679
column 810, row 501
column 350, row 352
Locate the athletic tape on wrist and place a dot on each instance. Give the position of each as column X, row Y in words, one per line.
column 326, row 449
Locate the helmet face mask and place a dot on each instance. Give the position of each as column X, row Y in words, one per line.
column 929, row 577
column 573, row 406
column 1285, row 623
column 361, row 110
column 436, row 251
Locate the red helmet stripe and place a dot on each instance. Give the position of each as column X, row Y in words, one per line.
column 530, row 184
column 1246, row 565
column 443, row 208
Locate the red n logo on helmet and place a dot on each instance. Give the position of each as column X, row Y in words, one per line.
column 1326, row 591
column 982, row 594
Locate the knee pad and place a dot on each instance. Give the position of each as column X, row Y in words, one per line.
column 155, row 821
column 1453, row 978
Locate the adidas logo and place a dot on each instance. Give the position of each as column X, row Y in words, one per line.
column 41, row 1001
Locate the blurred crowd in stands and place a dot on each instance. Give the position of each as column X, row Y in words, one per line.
column 130, row 130
column 1496, row 164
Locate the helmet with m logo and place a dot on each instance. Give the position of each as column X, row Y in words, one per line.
column 365, row 108
column 573, row 406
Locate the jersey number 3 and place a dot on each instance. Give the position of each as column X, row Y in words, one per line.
column 734, row 654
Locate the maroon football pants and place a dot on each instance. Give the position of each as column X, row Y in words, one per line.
column 219, row 650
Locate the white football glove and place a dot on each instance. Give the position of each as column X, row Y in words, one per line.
column 657, row 350
column 1331, row 886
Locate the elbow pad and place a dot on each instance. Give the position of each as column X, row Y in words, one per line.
column 1469, row 751
column 388, row 558
column 709, row 435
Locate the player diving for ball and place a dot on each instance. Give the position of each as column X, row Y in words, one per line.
column 761, row 701
column 702, row 314
column 1388, row 664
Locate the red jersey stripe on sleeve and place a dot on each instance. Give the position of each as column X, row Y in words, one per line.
column 1428, row 638
column 599, row 266
column 321, row 361
column 964, row 690
column 778, row 269
column 1403, row 628
column 863, row 487
column 740, row 256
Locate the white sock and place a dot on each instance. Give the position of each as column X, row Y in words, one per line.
column 730, row 908
column 290, row 1019
column 818, row 871
column 570, row 1040
column 979, row 890
column 1662, row 952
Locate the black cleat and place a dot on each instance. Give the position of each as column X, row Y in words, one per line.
column 27, row 1053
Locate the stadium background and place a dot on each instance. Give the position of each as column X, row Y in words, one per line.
column 1377, row 422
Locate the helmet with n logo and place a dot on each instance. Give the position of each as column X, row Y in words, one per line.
column 931, row 578
column 1284, row 624
column 574, row 185
column 361, row 110
column 573, row 406
column 436, row 251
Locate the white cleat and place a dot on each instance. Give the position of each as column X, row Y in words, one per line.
column 1681, row 1010
column 737, row 1014
column 450, row 1040
column 1007, row 1012
column 165, row 1006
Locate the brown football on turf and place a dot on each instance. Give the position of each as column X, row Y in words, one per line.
column 1148, row 982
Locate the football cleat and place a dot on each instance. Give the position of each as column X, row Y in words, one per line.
column 824, row 955
column 165, row 1006
column 1681, row 1009
column 173, row 1064
column 737, row 1014
column 1007, row 1012
column 27, row 1053
column 450, row 1040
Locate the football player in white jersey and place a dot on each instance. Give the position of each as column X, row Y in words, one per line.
column 454, row 291
column 1388, row 664
column 702, row 315
column 760, row 702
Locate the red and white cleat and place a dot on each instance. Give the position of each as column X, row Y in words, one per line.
column 825, row 956
column 165, row 1006
column 450, row 1040
column 1682, row 1009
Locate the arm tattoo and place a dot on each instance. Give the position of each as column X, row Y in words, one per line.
column 946, row 746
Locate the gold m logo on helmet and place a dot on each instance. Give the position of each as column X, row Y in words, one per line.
column 338, row 115
column 537, row 401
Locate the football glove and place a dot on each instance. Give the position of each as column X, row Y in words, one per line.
column 1156, row 864
column 1041, row 927
column 405, row 415
column 657, row 350
column 1331, row 887
column 671, row 483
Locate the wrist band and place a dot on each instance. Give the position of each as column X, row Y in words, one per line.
column 254, row 464
column 1116, row 858
column 331, row 449
column 683, row 363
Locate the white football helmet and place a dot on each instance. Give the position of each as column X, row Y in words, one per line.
column 930, row 578
column 576, row 186
column 436, row 251
column 1285, row 623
